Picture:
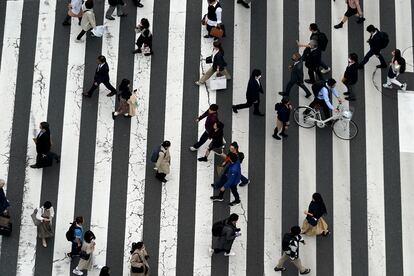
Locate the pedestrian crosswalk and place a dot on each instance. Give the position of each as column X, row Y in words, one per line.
column 105, row 173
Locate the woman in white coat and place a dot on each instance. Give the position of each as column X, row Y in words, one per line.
column 45, row 216
column 88, row 19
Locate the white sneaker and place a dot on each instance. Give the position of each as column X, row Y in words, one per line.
column 230, row 254
column 404, row 86
column 210, row 252
column 324, row 71
column 77, row 272
column 99, row 267
column 193, row 149
column 386, row 85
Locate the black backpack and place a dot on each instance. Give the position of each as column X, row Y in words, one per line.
column 70, row 234
column 317, row 86
column 384, row 40
column 322, row 41
column 286, row 241
column 217, row 228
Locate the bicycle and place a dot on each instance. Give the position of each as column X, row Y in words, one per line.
column 343, row 126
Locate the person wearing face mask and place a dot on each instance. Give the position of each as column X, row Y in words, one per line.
column 350, row 77
column 254, row 88
column 296, row 76
column 219, row 64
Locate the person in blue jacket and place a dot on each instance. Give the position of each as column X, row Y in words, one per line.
column 229, row 180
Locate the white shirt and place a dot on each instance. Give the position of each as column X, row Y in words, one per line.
column 218, row 15
column 76, row 6
column 324, row 95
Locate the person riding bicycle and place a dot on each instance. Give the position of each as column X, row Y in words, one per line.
column 321, row 91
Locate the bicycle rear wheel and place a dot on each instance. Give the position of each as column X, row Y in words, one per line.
column 345, row 129
column 304, row 116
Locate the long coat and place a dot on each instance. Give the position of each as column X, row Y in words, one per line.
column 88, row 19
column 138, row 260
column 228, row 235
column 43, row 143
column 132, row 107
column 253, row 90
column 164, row 160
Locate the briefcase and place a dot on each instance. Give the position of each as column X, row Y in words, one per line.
column 217, row 32
column 217, row 83
column 5, row 225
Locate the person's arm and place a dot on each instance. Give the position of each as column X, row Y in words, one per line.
column 202, row 116
column 218, row 15
column 301, row 45
column 326, row 98
column 39, row 214
column 161, row 155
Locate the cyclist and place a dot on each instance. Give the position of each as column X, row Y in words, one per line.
column 322, row 96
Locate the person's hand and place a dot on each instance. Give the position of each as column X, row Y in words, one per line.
column 305, row 212
column 197, row 120
column 155, row 169
column 222, row 189
column 95, row 83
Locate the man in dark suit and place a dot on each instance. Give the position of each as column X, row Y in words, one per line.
column 43, row 144
column 252, row 95
column 101, row 76
column 312, row 57
column 351, row 76
column 376, row 44
column 296, row 76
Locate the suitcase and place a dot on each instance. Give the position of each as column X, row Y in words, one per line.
column 5, row 225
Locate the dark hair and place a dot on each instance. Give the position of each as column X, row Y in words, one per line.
column 220, row 125
column 319, row 201
column 256, row 73
column 295, row 230
column 217, row 44
column 400, row 60
column 213, row 107
column 371, row 28
column 124, row 84
column 313, row 27
column 44, row 125
column 47, row 204
column 79, row 220
column 102, row 58
column 166, row 144
column 89, row 236
column 285, row 100
column 331, row 82
column 104, row 271
column 234, row 217
column 233, row 156
column 353, row 57
column 145, row 23
column 135, row 246
column 89, row 4
column 235, row 145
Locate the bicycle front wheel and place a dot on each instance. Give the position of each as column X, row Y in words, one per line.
column 305, row 116
column 345, row 129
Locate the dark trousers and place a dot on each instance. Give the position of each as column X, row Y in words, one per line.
column 321, row 103
column 350, row 89
column 160, row 176
column 218, row 250
column 249, row 104
column 370, row 54
column 68, row 19
column 233, row 191
column 144, row 40
column 75, row 250
column 300, row 84
column 82, row 33
column 107, row 85
column 202, row 140
column 323, row 65
column 312, row 71
column 243, row 179
column 136, row 2
column 46, row 161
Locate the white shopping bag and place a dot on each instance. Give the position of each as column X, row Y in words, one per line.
column 217, row 83
column 99, row 31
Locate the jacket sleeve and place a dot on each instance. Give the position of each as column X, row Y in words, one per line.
column 202, row 116
column 92, row 19
column 39, row 213
column 229, row 234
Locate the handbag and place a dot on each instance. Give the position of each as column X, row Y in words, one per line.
column 84, row 255
column 209, row 59
column 36, row 222
column 217, row 32
column 217, row 83
column 312, row 220
column 99, row 31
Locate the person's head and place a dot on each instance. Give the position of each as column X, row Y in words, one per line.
column 295, row 230
column 285, row 100
column 218, row 125
column 353, row 58
column 79, row 220
column 371, row 29
column 105, row 271
column 44, row 126
column 217, row 45
column 136, row 245
column 89, row 4
column 331, row 83
column 166, row 144
column 313, row 44
column 47, row 204
column 234, row 147
column 124, row 83
column 256, row 73
column 213, row 108
column 296, row 56
column 89, row 236
column 233, row 218
column 211, row 2
column 145, row 23
column 101, row 59
column 313, row 27
column 396, row 53
column 233, row 157
column 2, row 183
column 319, row 200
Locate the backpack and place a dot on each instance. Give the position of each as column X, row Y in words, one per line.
column 317, row 86
column 384, row 40
column 70, row 234
column 155, row 153
column 217, row 228
column 322, row 41
column 286, row 241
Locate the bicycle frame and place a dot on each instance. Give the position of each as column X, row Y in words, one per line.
column 322, row 123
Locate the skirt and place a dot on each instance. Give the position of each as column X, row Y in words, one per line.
column 123, row 106
column 44, row 230
column 310, row 230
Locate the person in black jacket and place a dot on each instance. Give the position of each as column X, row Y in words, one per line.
column 217, row 142
column 312, row 57
column 296, row 76
column 211, row 118
column 228, row 234
column 101, row 76
column 283, row 115
column 375, row 46
column 351, row 76
column 219, row 65
column 4, row 203
column 119, row 5
column 43, row 145
column 254, row 87
column 145, row 38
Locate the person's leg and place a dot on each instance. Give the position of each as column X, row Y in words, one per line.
column 319, row 73
column 67, row 20
column 120, row 10
column 207, row 75
column 396, row 82
column 324, row 66
column 303, row 86
column 326, row 110
column 282, row 260
column 245, row 105
column 256, row 107
column 382, row 60
column 92, row 89
column 202, row 140
column 80, row 35
column 148, row 41
column 235, row 193
column 311, row 75
column 298, row 263
column 226, row 73
column 366, row 58
column 109, row 12
column 243, row 180
column 289, row 86
column 283, row 127
column 110, row 87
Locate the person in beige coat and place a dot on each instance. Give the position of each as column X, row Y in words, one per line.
column 139, row 257
column 163, row 162
column 127, row 101
column 88, row 19
column 86, row 255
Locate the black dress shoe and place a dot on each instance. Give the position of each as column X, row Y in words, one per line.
column 382, row 66
column 282, row 94
column 110, row 18
column 34, row 166
column 308, row 95
column 258, row 114
column 309, row 81
column 139, row 5
column 234, row 109
column 244, row 4
column 110, row 94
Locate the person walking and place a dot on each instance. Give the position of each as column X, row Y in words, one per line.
column 211, row 118
column 229, row 180
column 145, row 37
column 75, row 236
column 213, row 17
column 234, row 148
column 283, row 115
column 219, row 64
column 244, row 3
column 162, row 166
column 296, row 76
column 88, row 21
column 127, row 100
column 105, row 271
column 353, row 9
column 86, row 254
column 377, row 41
column 314, row 224
column 254, row 88
column 312, row 57
column 217, row 142
column 322, row 97
column 4, row 203
column 101, row 76
column 397, row 67
column 228, row 234
column 74, row 10
column 139, row 257
column 43, row 143
column 45, row 216
column 350, row 77
column 119, row 6
column 290, row 247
